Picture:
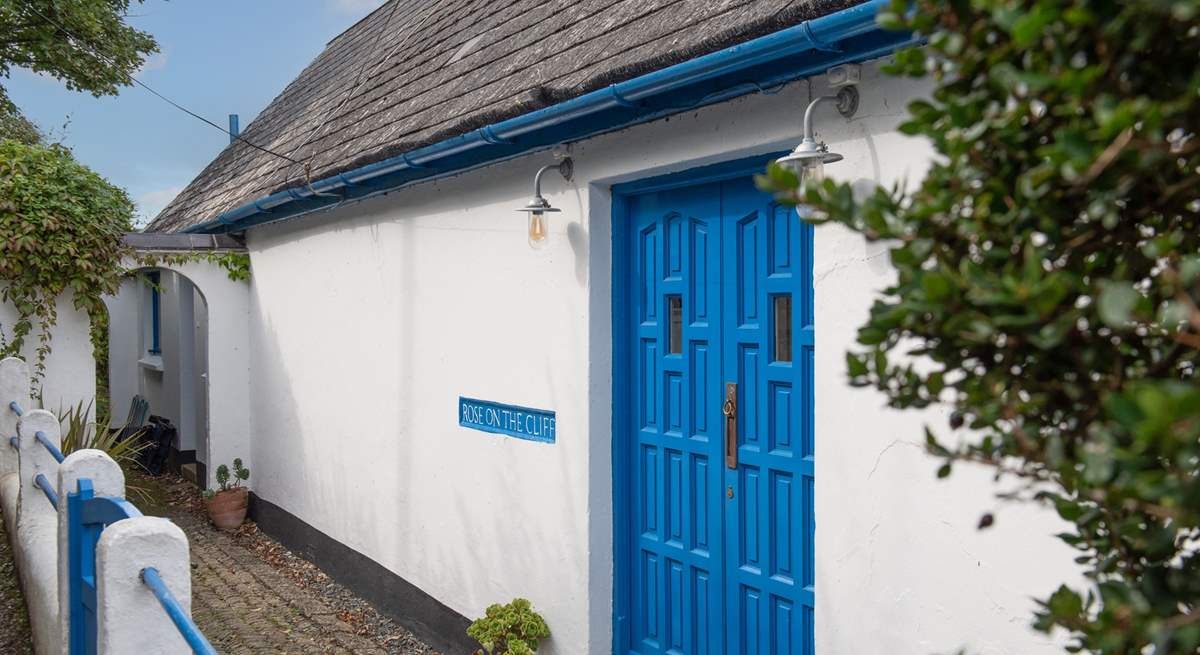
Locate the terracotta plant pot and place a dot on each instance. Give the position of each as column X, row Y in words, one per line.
column 227, row 509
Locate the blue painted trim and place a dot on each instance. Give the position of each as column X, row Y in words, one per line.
column 44, row 484
column 81, row 572
column 622, row 417
column 726, row 170
column 155, row 313
column 191, row 634
column 16, row 409
column 87, row 517
column 464, row 404
column 107, row 510
column 622, row 401
column 777, row 58
column 45, row 441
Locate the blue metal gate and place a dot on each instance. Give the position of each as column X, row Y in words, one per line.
column 89, row 515
column 713, row 425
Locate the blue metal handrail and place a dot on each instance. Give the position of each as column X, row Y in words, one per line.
column 47, row 489
column 185, row 624
column 16, row 408
column 45, row 441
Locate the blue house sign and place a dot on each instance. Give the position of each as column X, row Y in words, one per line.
column 512, row 420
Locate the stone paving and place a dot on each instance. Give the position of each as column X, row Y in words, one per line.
column 250, row 595
column 244, row 605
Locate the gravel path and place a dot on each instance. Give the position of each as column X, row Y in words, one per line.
column 249, row 594
column 252, row 595
column 14, row 619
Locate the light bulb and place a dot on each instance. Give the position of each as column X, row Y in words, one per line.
column 538, row 230
column 812, row 174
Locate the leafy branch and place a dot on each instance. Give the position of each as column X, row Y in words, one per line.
column 61, row 227
column 236, row 264
column 1048, row 284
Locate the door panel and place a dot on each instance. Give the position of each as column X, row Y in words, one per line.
column 677, row 587
column 720, row 557
column 769, row 517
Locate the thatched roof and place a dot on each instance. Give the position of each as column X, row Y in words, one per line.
column 413, row 73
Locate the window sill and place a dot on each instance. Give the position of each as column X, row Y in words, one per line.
column 152, row 362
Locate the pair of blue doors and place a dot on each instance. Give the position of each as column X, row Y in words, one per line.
column 715, row 454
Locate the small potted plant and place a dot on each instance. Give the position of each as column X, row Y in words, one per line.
column 512, row 629
column 227, row 506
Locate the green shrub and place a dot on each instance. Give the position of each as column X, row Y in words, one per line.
column 1048, row 286
column 512, row 629
column 79, row 433
column 61, row 229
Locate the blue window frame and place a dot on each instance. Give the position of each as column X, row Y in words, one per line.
column 155, row 304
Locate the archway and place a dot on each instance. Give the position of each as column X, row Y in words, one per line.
column 159, row 357
column 216, row 379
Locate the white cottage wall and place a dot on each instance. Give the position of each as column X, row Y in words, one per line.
column 367, row 323
column 69, row 377
column 124, row 348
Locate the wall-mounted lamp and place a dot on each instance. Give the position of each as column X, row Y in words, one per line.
column 538, row 207
column 808, row 160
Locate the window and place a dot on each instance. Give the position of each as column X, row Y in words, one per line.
column 155, row 304
column 783, row 328
column 675, row 316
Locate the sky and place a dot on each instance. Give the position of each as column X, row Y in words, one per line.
column 218, row 57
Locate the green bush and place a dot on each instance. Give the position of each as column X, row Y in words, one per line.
column 79, row 432
column 1048, row 284
column 60, row 230
column 512, row 629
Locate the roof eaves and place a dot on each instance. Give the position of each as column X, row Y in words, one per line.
column 808, row 48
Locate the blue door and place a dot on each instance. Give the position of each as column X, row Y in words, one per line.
column 715, row 443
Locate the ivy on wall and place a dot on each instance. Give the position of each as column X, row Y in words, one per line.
column 60, row 231
column 236, row 264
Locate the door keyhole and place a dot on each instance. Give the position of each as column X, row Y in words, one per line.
column 729, row 491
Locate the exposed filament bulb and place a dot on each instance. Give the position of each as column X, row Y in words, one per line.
column 539, row 230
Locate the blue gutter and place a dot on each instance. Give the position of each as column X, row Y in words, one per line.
column 793, row 53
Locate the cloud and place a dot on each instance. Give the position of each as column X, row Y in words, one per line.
column 156, row 61
column 152, row 202
column 355, row 7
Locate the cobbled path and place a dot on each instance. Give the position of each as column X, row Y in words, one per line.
column 243, row 605
column 249, row 594
column 14, row 621
column 252, row 596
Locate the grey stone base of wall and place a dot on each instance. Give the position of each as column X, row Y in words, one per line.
column 422, row 614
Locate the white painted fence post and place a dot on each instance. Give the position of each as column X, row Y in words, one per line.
column 107, row 480
column 15, row 385
column 37, row 529
column 129, row 617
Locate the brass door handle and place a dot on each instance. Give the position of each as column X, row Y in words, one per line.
column 729, row 409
